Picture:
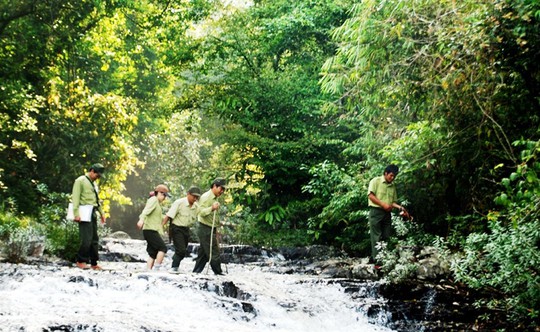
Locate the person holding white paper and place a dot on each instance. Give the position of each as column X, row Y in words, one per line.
column 86, row 207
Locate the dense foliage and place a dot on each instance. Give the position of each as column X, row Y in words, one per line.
column 507, row 258
column 298, row 104
column 260, row 77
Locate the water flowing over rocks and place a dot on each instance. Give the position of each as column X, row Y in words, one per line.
column 312, row 289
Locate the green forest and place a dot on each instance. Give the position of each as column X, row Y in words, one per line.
column 298, row 104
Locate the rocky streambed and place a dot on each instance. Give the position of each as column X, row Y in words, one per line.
column 429, row 301
column 295, row 289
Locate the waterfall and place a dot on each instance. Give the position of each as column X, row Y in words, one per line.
column 262, row 290
column 46, row 296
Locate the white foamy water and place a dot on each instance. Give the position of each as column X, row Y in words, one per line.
column 127, row 298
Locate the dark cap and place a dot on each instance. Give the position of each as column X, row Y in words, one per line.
column 98, row 168
column 195, row 191
column 220, row 182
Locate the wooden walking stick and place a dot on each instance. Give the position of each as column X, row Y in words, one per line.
column 211, row 238
column 170, row 230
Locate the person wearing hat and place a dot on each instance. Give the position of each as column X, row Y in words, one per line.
column 150, row 223
column 182, row 214
column 382, row 198
column 85, row 195
column 208, row 207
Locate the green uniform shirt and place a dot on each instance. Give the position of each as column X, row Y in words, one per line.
column 182, row 214
column 384, row 191
column 206, row 215
column 152, row 215
column 83, row 194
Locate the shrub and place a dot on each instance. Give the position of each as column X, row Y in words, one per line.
column 18, row 234
column 19, row 243
column 248, row 230
column 508, row 257
column 62, row 235
column 63, row 239
column 398, row 255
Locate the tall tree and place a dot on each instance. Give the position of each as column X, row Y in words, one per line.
column 83, row 81
column 259, row 75
column 35, row 37
column 438, row 87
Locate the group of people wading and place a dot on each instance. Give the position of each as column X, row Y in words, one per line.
column 201, row 209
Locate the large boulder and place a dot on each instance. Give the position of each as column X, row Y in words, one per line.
column 432, row 265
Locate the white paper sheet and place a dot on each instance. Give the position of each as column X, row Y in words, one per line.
column 85, row 211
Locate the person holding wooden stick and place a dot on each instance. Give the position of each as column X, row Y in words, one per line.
column 207, row 222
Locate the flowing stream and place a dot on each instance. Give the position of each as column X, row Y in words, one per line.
column 47, row 296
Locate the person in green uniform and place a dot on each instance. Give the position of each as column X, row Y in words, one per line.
column 183, row 214
column 208, row 222
column 382, row 198
column 150, row 221
column 85, row 197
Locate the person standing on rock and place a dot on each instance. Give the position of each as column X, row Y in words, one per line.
column 150, row 221
column 382, row 198
column 208, row 222
column 86, row 207
column 183, row 214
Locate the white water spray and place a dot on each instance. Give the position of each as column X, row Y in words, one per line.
column 127, row 298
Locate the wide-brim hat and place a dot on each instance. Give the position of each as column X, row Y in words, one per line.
column 162, row 189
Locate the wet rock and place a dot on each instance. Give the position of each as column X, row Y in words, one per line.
column 336, row 272
column 81, row 279
column 248, row 307
column 431, row 265
column 418, row 306
column 294, row 253
column 316, row 252
column 229, row 289
column 364, row 271
column 120, row 257
column 36, row 246
column 119, row 235
column 241, row 254
column 120, row 250
column 237, row 254
column 66, row 328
